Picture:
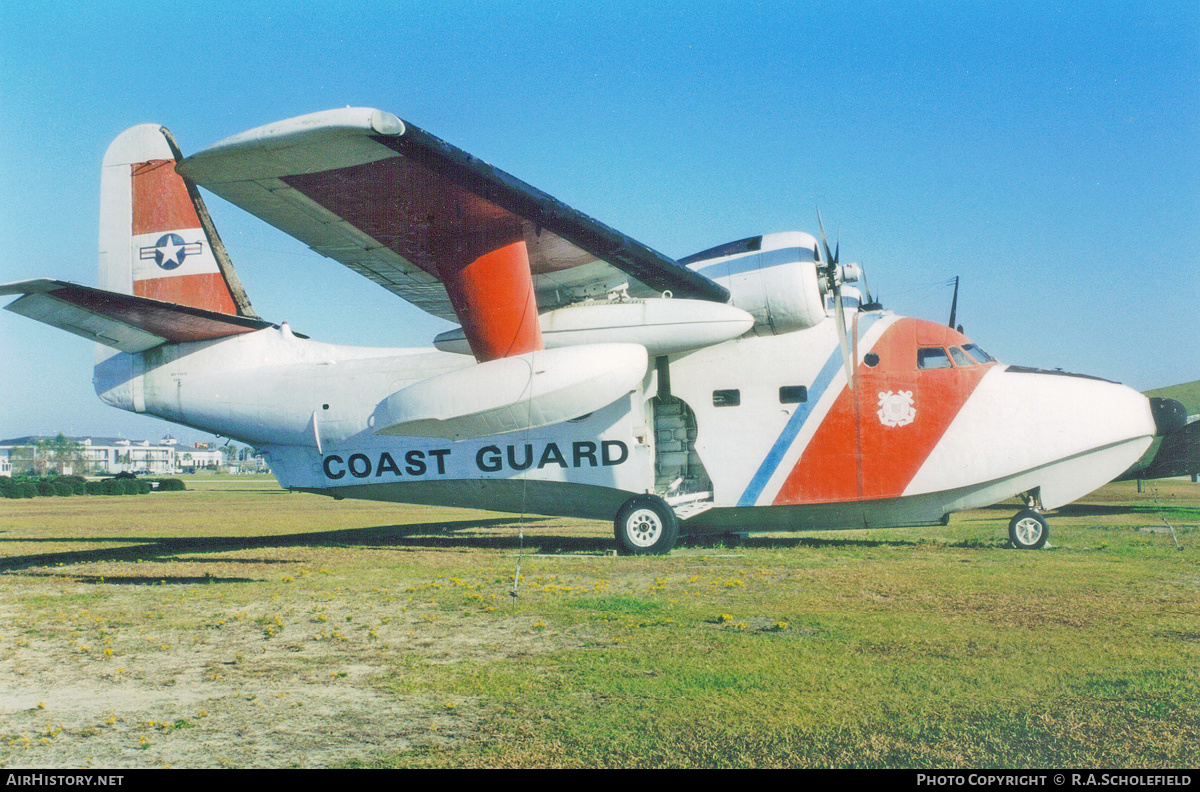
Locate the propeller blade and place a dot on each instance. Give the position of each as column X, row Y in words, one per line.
column 833, row 279
column 843, row 339
column 829, row 259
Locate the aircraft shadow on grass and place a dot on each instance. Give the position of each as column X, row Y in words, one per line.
column 411, row 537
column 151, row 549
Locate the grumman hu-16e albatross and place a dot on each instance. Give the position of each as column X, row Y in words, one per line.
column 743, row 388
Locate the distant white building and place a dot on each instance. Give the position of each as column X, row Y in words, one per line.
column 110, row 455
column 199, row 458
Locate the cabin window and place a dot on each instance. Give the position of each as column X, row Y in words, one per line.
column 793, row 394
column 960, row 357
column 932, row 358
column 871, row 359
column 727, row 398
column 977, row 353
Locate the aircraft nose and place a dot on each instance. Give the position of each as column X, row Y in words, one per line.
column 1169, row 416
column 1066, row 434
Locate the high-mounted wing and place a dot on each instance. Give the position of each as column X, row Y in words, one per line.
column 429, row 222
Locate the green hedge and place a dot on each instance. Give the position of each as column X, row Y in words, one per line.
column 17, row 489
column 63, row 486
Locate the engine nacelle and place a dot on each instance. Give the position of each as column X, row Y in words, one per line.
column 772, row 277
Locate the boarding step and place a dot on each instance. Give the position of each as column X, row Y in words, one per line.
column 688, row 506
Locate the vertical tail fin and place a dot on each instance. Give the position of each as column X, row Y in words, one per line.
column 156, row 237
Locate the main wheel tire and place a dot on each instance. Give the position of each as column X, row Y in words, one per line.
column 645, row 524
column 1028, row 530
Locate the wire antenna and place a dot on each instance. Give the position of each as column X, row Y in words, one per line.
column 514, row 592
column 1163, row 517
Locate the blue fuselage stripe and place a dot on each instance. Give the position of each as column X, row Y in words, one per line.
column 803, row 410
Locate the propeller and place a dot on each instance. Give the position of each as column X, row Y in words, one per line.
column 833, row 282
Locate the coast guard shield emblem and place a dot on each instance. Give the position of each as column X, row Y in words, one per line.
column 896, row 409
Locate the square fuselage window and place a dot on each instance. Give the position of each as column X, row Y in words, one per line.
column 793, row 394
column 727, row 398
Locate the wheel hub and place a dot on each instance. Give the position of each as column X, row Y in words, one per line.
column 644, row 527
column 1028, row 530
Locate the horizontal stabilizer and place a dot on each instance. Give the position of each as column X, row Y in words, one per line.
column 511, row 394
column 121, row 321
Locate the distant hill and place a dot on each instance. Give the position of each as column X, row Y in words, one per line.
column 1188, row 393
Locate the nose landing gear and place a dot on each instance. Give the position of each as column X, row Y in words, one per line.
column 1028, row 530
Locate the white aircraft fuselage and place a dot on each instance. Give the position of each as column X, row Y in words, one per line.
column 977, row 434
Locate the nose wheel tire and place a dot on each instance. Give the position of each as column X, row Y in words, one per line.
column 645, row 524
column 1028, row 530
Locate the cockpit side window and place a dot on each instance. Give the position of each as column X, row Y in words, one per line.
column 960, row 358
column 932, row 358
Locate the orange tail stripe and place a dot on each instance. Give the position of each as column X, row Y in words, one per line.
column 206, row 290
column 160, row 199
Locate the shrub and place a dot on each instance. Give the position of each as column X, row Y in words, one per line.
column 112, row 487
column 29, row 490
column 143, row 487
column 78, row 483
column 94, row 487
column 63, row 488
column 44, row 487
column 171, row 485
column 129, row 486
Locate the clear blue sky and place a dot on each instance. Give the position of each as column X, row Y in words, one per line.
column 1048, row 153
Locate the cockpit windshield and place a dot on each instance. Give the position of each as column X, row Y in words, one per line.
column 974, row 351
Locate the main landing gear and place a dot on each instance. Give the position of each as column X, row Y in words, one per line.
column 645, row 524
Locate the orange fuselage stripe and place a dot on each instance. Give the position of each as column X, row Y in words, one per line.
column 853, row 454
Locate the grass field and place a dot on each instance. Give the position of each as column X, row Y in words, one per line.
column 239, row 625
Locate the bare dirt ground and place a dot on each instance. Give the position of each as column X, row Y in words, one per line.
column 253, row 657
column 268, row 686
